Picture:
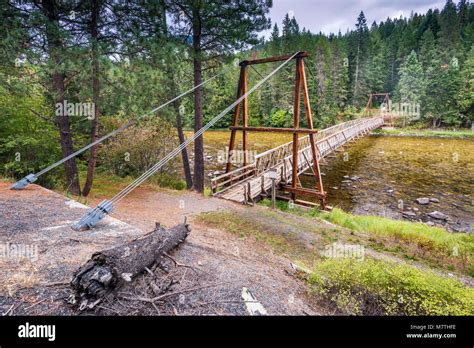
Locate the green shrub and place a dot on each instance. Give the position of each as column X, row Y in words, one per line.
column 425, row 241
column 170, row 181
column 372, row 287
column 281, row 118
column 139, row 148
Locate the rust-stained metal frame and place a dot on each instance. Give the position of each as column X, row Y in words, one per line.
column 388, row 117
column 300, row 88
column 386, row 99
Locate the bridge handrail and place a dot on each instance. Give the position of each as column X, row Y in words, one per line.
column 253, row 169
column 333, row 134
column 320, row 136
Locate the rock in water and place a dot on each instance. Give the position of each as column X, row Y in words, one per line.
column 438, row 215
column 408, row 214
column 434, row 200
column 423, row 201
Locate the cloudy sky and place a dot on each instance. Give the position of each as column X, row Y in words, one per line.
column 331, row 15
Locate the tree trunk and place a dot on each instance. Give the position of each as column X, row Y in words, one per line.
column 95, row 96
column 109, row 269
column 55, row 46
column 184, row 152
column 198, row 143
column 179, row 123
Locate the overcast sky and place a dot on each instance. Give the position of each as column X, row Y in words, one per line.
column 331, row 15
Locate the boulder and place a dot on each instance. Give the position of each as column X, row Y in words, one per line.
column 409, row 214
column 438, row 215
column 423, row 201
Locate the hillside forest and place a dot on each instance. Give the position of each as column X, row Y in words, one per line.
column 122, row 59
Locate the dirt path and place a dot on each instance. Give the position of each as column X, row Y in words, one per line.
column 231, row 247
column 307, row 237
column 207, row 276
column 221, row 257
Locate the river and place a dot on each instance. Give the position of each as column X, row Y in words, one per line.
column 385, row 175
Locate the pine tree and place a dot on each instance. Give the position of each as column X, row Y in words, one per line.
column 217, row 28
column 452, row 83
column 428, row 49
column 375, row 68
column 439, row 103
column 411, row 84
column 359, row 54
column 340, row 74
column 275, row 41
column 466, row 91
column 286, row 33
column 450, row 31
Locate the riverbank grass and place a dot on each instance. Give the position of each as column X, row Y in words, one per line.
column 412, row 240
column 356, row 286
column 425, row 241
column 442, row 133
column 376, row 287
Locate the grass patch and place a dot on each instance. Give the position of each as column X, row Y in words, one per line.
column 245, row 228
column 412, row 240
column 107, row 185
column 168, row 181
column 284, row 206
column 446, row 133
column 418, row 240
column 373, row 287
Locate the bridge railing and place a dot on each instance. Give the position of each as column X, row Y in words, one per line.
column 327, row 140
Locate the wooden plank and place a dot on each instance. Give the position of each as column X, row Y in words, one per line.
column 304, row 191
column 273, row 59
column 275, row 130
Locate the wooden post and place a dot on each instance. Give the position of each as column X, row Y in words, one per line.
column 369, row 105
column 296, row 124
column 273, row 193
column 235, row 122
column 273, row 175
column 245, row 117
column 309, row 120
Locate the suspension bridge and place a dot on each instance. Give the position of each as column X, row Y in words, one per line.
column 249, row 182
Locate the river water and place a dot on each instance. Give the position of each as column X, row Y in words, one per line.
column 384, row 175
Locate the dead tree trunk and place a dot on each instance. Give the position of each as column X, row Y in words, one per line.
column 107, row 270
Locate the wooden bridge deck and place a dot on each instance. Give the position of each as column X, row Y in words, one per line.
column 247, row 183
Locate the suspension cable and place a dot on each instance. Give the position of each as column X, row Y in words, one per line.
column 34, row 176
column 105, row 207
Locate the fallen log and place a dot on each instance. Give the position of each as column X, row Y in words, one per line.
column 109, row 269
